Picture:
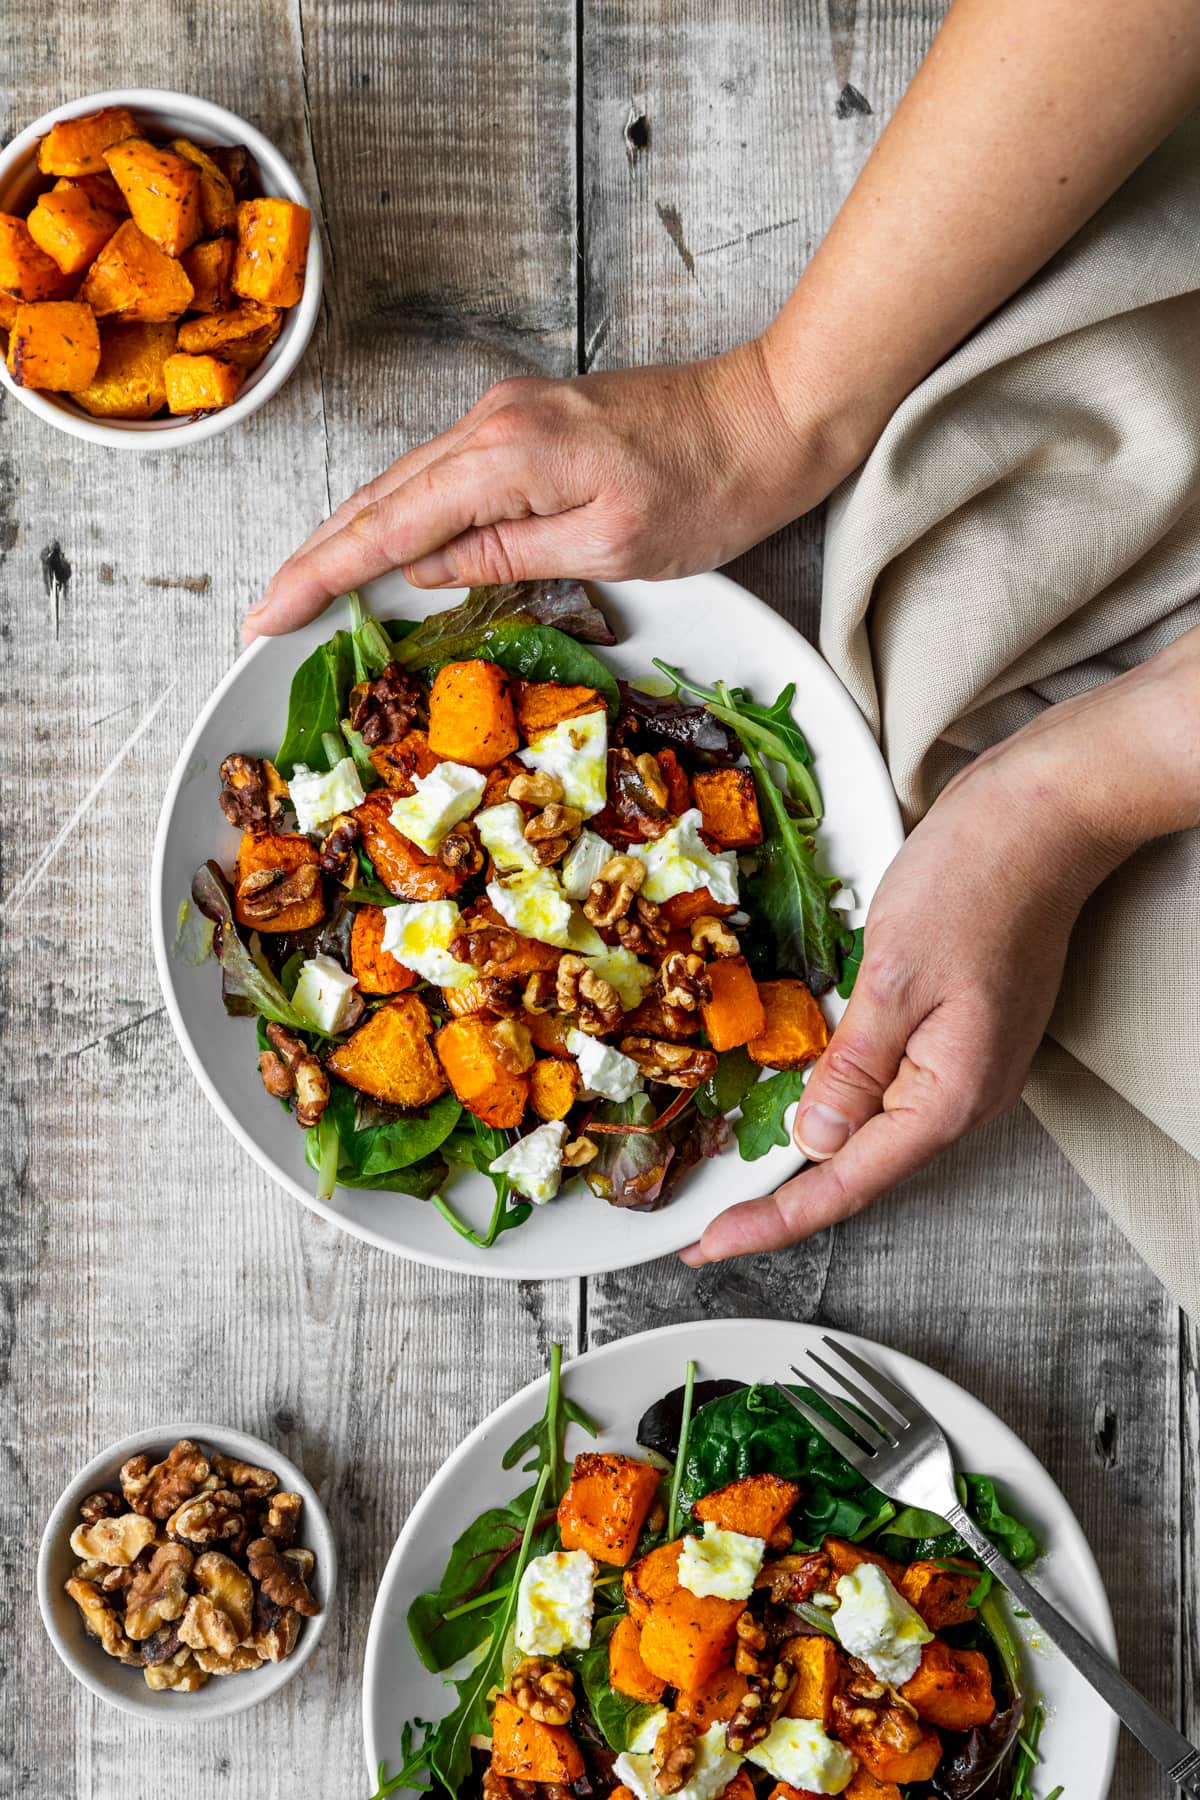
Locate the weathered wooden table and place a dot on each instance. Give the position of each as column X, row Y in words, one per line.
column 507, row 186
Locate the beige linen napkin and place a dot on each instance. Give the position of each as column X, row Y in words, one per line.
column 1028, row 526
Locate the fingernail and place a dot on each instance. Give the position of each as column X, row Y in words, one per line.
column 820, row 1131
column 435, row 570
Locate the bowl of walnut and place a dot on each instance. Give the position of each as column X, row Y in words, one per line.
column 187, row 1572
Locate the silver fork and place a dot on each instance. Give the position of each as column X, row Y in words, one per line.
column 903, row 1452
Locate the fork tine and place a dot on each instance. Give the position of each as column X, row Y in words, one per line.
column 855, row 1455
column 885, row 1390
column 871, row 1434
column 884, row 1426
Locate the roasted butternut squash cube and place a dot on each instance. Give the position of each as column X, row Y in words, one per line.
column 284, row 850
column 627, row 1673
column 216, row 333
column 376, row 969
column 8, row 310
column 237, row 166
column 679, row 788
column 53, row 344
column 554, row 1086
column 605, row 1506
column 687, row 1637
column 129, row 383
column 523, row 1749
column 134, row 278
column 218, row 206
column 733, row 1012
column 865, row 1786
column 681, row 911
column 476, row 1070
column 740, row 1788
column 77, row 146
column 72, row 230
column 162, row 191
column 101, row 188
column 404, row 870
column 728, row 807
column 471, row 717
column 272, row 251
column 819, row 1666
column 246, row 353
column 952, row 1688
column 540, row 705
column 209, row 266
column 25, row 269
column 199, row 384
column 715, row 1701
column 940, row 1594
column 650, row 1579
column 845, row 1557
column 389, row 1056
column 795, row 1032
column 893, row 1748
column 396, row 764
column 755, row 1505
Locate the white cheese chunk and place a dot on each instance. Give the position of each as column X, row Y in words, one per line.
column 318, row 796
column 443, row 797
column 535, row 905
column 876, row 1623
column 646, row 1735
column 801, row 1752
column 554, row 1603
column 605, row 1071
column 714, row 1768
column 419, row 934
column 680, row 861
column 621, row 967
column 323, row 993
column 534, row 1163
column 502, row 832
column 583, row 862
column 722, row 1563
column 576, row 750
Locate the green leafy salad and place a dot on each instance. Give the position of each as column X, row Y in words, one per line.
column 730, row 1611
column 492, row 907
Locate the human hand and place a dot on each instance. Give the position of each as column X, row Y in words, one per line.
column 645, row 472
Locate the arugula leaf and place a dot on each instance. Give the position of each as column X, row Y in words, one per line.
column 728, row 1086
column 247, row 984
column 761, row 1126
column 769, row 731
column 851, row 963
column 618, row 1717
column 685, row 1432
column 414, row 1754
column 319, row 692
column 546, row 1436
column 481, row 1144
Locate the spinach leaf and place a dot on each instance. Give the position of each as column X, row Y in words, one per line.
column 247, row 984
column 539, row 653
column 852, row 957
column 728, row 1086
column 422, row 1180
column 761, row 1126
column 618, row 1717
column 377, row 1140
column 319, row 692
column 478, row 1565
column 454, row 635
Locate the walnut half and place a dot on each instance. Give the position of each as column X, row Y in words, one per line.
column 675, row 1065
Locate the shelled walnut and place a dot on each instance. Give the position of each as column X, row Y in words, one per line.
column 192, row 1570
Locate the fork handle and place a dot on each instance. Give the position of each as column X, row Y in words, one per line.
column 1176, row 1755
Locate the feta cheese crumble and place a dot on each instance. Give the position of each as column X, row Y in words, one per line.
column 554, row 1603
column 876, row 1623
column 534, row 1163
column 418, row 934
column 318, row 796
column 583, row 863
column 605, row 1071
column 576, row 750
column 536, row 906
column 680, row 861
column 324, row 994
column 714, row 1768
column 621, row 967
column 502, row 832
column 722, row 1563
column 801, row 1753
column 443, row 797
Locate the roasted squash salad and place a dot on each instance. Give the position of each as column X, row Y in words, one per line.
column 147, row 278
column 730, row 1612
column 493, row 907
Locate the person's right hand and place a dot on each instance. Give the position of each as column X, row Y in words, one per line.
column 647, row 472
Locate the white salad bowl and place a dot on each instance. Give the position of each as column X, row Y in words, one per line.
column 615, row 1385
column 166, row 114
column 715, row 630
column 125, row 1688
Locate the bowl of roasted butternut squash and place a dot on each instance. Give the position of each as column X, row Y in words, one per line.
column 160, row 274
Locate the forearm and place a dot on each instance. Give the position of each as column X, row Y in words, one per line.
column 1024, row 118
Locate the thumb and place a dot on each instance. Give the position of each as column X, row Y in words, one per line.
column 526, row 549
column 847, row 1085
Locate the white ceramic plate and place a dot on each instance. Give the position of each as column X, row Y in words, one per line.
column 615, row 1385
column 714, row 629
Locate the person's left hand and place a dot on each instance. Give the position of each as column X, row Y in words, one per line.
column 964, row 950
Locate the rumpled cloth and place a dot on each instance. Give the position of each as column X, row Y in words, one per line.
column 1027, row 527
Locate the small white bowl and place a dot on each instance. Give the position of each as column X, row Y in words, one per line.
column 165, row 114
column 126, row 1688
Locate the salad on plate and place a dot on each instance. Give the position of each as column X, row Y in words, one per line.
column 493, row 908
column 729, row 1612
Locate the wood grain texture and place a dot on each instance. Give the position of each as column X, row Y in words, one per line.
column 511, row 187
